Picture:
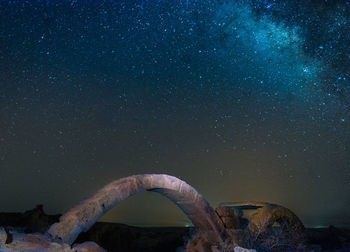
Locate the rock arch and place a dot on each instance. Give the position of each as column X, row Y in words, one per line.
column 261, row 230
column 267, row 214
column 83, row 216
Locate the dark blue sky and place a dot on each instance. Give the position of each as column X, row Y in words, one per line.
column 245, row 100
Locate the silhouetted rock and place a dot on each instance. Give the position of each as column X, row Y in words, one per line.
column 329, row 239
column 31, row 221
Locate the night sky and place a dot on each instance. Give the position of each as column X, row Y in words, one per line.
column 244, row 100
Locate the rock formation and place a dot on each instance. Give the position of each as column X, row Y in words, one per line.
column 34, row 220
column 83, row 216
column 269, row 225
column 216, row 230
column 37, row 242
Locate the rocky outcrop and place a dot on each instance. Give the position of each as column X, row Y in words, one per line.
column 83, row 216
column 268, row 226
column 21, row 242
column 266, row 215
column 269, row 214
column 37, row 242
column 31, row 221
column 219, row 230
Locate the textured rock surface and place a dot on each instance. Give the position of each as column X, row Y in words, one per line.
column 228, row 216
column 200, row 242
column 87, row 247
column 267, row 214
column 32, row 242
column 263, row 225
column 38, row 242
column 239, row 249
column 82, row 217
column 3, row 236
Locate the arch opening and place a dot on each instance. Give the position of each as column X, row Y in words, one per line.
column 146, row 209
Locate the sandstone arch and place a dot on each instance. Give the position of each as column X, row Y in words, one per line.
column 83, row 216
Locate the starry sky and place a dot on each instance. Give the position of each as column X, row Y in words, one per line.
column 244, row 100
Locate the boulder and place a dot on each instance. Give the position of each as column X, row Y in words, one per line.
column 239, row 249
column 3, row 236
column 37, row 242
column 88, row 247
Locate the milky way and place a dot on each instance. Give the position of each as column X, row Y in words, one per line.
column 245, row 100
